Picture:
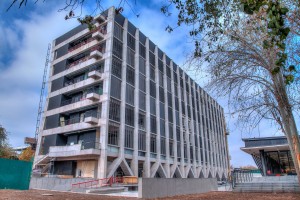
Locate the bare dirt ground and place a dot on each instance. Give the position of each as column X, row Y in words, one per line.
column 45, row 195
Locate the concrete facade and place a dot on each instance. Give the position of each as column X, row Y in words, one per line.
column 163, row 187
column 124, row 104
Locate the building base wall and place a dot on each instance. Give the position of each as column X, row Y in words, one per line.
column 162, row 187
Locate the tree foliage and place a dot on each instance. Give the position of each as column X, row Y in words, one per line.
column 27, row 154
column 5, row 150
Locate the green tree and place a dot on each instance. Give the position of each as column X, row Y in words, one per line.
column 248, row 49
column 5, row 150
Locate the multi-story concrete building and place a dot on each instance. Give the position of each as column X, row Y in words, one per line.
column 118, row 105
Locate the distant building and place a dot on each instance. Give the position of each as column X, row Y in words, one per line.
column 117, row 105
column 271, row 154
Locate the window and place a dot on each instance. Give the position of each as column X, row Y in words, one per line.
column 115, row 87
column 153, row 143
column 116, row 68
column 170, row 114
column 152, row 106
column 142, row 65
column 152, row 89
column 128, row 137
column 142, row 100
column 129, row 94
column 114, row 110
column 176, row 104
column 142, row 121
column 175, row 90
column 130, row 75
column 162, row 110
column 161, row 94
column 169, row 99
column 113, row 133
column 152, row 73
column 169, row 84
column 177, row 118
column 163, row 146
column 171, row 131
column 152, row 58
column 161, row 79
column 142, row 83
column 130, row 57
column 153, row 124
column 129, row 115
column 175, row 77
column 142, row 51
column 162, row 127
column 160, row 66
column 168, row 70
column 171, row 148
column 142, row 141
column 130, row 41
column 178, row 134
column 178, row 150
column 117, row 48
column 118, row 32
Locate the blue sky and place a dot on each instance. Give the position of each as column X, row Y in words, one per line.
column 24, row 37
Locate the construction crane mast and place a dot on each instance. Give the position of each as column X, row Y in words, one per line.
column 40, row 110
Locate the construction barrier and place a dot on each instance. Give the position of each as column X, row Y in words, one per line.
column 15, row 174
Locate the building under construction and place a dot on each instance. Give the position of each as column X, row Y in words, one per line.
column 118, row 105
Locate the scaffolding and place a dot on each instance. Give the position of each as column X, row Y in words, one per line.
column 40, row 110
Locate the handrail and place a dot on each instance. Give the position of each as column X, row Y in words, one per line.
column 98, row 182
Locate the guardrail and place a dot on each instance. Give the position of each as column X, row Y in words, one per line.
column 98, row 182
column 241, row 176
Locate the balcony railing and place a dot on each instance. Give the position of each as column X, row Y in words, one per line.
column 76, row 120
column 77, row 62
column 80, row 44
column 83, row 97
column 74, row 149
column 73, row 81
column 73, row 100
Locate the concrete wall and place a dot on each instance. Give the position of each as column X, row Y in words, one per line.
column 54, row 183
column 162, row 187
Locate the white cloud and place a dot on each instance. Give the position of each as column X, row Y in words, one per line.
column 21, row 79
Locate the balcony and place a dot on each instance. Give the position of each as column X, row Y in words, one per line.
column 91, row 120
column 99, row 33
column 93, row 96
column 77, row 62
column 97, row 52
column 100, row 18
column 90, row 117
column 81, row 149
column 80, row 44
column 94, row 74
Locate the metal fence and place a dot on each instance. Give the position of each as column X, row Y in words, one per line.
column 241, row 176
column 15, row 174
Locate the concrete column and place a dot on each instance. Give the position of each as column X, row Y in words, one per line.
column 167, row 161
column 134, row 163
column 123, row 92
column 263, row 162
column 147, row 165
column 157, row 107
column 102, row 160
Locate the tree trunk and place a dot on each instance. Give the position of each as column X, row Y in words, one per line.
column 288, row 121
